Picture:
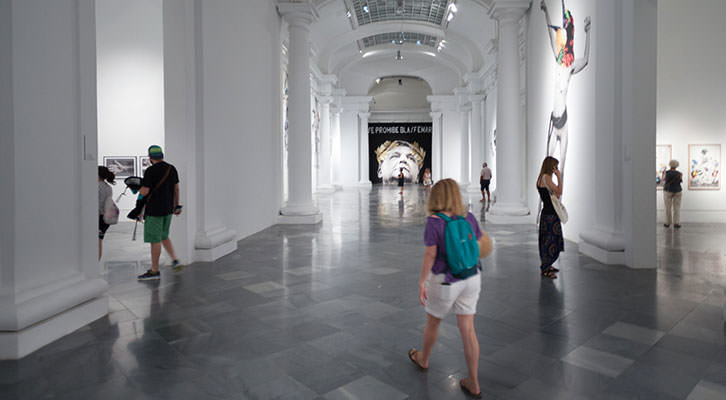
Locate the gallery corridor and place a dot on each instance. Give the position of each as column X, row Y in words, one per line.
column 329, row 312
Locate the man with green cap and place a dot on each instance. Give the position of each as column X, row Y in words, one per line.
column 160, row 194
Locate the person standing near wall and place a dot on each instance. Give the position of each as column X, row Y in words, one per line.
column 160, row 194
column 401, row 178
column 551, row 242
column 485, row 177
column 104, row 193
column 672, row 193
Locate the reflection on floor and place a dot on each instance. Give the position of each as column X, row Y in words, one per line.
column 329, row 312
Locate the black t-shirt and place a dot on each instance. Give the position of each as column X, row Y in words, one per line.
column 161, row 202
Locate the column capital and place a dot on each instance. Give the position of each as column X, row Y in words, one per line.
column 435, row 114
column 477, row 98
column 296, row 13
column 508, row 10
column 364, row 115
column 325, row 100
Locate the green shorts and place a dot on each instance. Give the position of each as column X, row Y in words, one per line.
column 156, row 229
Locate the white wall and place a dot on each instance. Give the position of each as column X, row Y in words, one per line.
column 349, row 149
column 242, row 114
column 691, row 94
column 130, row 80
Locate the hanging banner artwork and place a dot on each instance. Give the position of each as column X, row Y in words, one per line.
column 398, row 147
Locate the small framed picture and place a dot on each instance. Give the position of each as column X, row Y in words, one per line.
column 122, row 167
column 144, row 162
column 704, row 168
column 662, row 158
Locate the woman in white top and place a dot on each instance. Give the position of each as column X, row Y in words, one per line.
column 104, row 192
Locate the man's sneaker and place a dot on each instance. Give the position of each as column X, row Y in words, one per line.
column 149, row 275
column 176, row 265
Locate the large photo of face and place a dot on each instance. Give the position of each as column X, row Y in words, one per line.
column 399, row 148
column 399, row 157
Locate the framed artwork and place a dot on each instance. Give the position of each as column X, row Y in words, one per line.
column 122, row 167
column 662, row 158
column 144, row 163
column 704, row 166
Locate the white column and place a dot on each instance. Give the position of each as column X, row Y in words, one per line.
column 299, row 207
column 465, row 146
column 363, row 158
column 510, row 161
column 477, row 141
column 335, row 147
column 49, row 275
column 324, row 171
column 436, row 145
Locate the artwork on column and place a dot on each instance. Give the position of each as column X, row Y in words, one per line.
column 662, row 158
column 315, row 127
column 398, row 146
column 284, row 132
column 122, row 167
column 562, row 41
column 704, row 166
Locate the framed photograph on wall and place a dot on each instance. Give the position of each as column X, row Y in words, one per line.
column 122, row 167
column 704, row 166
column 144, row 162
column 662, row 158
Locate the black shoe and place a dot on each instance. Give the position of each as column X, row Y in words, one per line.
column 149, row 275
column 666, row 225
column 676, row 226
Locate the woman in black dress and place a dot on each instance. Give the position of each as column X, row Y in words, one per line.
column 551, row 242
column 400, row 180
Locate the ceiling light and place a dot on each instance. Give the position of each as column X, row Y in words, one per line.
column 399, row 57
column 348, row 13
column 418, row 42
column 366, row 9
column 453, row 8
column 450, row 17
column 378, row 80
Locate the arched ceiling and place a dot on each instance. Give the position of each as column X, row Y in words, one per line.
column 361, row 39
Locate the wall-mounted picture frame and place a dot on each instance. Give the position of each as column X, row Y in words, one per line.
column 144, row 162
column 704, row 166
column 122, row 167
column 663, row 154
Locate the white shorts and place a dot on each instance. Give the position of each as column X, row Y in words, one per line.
column 462, row 296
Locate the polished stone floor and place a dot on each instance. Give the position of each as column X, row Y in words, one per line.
column 329, row 311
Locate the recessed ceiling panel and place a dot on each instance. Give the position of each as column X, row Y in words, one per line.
column 371, row 11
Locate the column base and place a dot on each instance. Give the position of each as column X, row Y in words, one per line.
column 214, row 243
column 509, row 209
column 365, row 184
column 18, row 344
column 300, row 219
column 604, row 246
column 325, row 189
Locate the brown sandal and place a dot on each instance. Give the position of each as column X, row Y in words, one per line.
column 549, row 274
column 412, row 356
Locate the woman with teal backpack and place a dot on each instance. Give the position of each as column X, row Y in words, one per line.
column 450, row 275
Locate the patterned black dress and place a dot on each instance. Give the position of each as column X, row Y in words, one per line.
column 551, row 242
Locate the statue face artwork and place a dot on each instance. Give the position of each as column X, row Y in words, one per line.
column 399, row 156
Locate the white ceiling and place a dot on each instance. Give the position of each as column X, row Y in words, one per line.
column 339, row 48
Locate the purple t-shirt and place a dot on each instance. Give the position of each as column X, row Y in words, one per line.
column 434, row 236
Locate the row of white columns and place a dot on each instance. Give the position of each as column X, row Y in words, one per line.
column 510, row 199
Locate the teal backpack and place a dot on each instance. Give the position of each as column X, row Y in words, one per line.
column 462, row 248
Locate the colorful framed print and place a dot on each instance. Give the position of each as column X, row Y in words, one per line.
column 704, row 166
column 662, row 158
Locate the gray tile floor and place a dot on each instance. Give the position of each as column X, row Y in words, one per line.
column 329, row 311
